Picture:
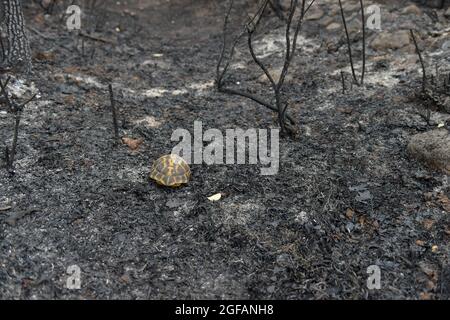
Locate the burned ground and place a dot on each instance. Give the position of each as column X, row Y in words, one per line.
column 347, row 195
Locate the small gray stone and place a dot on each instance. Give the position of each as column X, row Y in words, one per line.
column 349, row 227
column 386, row 40
column 433, row 148
column 334, row 26
column 363, row 196
column 315, row 14
column 412, row 9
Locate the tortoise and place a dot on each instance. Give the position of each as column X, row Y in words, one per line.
column 170, row 170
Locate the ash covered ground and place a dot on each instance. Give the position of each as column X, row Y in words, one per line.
column 348, row 193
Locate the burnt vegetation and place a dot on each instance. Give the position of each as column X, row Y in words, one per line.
column 294, row 17
column 75, row 154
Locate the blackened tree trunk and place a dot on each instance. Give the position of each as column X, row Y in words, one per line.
column 14, row 44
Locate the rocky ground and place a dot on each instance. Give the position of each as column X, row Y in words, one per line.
column 364, row 182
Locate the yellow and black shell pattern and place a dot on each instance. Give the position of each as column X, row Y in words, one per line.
column 170, row 170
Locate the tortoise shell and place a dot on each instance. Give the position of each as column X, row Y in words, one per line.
column 170, row 170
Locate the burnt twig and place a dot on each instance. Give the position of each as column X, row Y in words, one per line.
column 363, row 18
column 12, row 153
column 226, row 60
column 2, row 46
column 16, row 109
column 424, row 76
column 280, row 105
column 18, row 116
column 347, row 36
column 5, row 94
column 220, row 74
column 256, row 99
column 7, row 161
column 348, row 43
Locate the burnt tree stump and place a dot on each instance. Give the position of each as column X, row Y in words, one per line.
column 15, row 48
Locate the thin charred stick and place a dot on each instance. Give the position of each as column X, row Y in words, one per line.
column 113, row 111
column 447, row 82
column 309, row 6
column 363, row 18
column 2, row 46
column 18, row 116
column 343, row 82
column 28, row 101
column 290, row 52
column 424, row 76
column 17, row 110
column 256, row 99
column 251, row 30
column 7, row 157
column 252, row 52
column 436, row 67
column 292, row 9
column 12, row 155
column 219, row 75
column 280, row 107
column 5, row 94
column 348, row 43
